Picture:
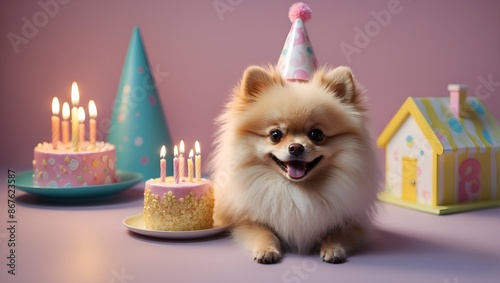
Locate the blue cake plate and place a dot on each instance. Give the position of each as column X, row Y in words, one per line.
column 24, row 182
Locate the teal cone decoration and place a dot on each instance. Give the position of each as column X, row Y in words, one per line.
column 138, row 127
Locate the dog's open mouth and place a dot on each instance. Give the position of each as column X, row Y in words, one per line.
column 296, row 169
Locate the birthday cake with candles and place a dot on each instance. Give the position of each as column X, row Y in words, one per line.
column 73, row 162
column 179, row 202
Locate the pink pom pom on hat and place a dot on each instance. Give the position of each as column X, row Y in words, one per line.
column 299, row 10
column 297, row 61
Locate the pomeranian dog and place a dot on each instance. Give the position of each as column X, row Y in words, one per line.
column 294, row 169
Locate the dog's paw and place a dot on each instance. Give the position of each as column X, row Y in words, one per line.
column 266, row 256
column 333, row 254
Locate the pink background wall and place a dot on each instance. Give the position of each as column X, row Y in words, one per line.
column 200, row 53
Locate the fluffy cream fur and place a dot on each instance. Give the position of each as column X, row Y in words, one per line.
column 330, row 208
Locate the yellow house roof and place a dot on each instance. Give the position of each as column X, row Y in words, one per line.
column 443, row 129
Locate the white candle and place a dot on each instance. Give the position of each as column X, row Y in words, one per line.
column 190, row 166
column 163, row 164
column 176, row 165
column 75, row 98
column 55, row 122
column 198, row 161
column 74, row 131
column 65, row 124
column 81, row 126
column 182, row 160
column 92, row 122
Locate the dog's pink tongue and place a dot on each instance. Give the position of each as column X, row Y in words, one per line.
column 296, row 169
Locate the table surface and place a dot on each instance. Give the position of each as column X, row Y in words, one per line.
column 58, row 242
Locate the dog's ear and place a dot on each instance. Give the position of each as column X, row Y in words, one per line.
column 256, row 80
column 340, row 82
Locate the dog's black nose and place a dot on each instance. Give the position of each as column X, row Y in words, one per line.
column 296, row 149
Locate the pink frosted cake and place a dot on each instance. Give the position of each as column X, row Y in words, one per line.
column 178, row 207
column 64, row 167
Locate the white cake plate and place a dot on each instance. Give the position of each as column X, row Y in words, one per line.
column 135, row 223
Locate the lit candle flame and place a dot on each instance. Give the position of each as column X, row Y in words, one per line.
column 55, row 106
column 176, row 152
column 163, row 152
column 81, row 114
column 191, row 153
column 92, row 109
column 197, row 148
column 65, row 111
column 181, row 145
column 75, row 94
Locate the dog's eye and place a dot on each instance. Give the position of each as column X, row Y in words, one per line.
column 316, row 135
column 275, row 135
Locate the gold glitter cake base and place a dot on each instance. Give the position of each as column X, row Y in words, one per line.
column 183, row 214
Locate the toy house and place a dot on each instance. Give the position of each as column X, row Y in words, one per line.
column 442, row 154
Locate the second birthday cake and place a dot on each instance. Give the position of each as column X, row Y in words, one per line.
column 183, row 206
